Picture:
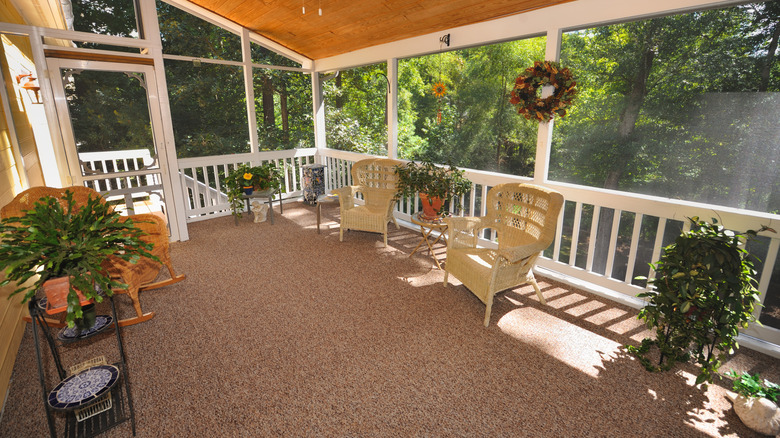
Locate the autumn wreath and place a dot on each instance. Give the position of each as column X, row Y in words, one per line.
column 530, row 105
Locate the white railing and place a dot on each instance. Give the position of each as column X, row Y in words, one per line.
column 202, row 178
column 630, row 230
column 130, row 180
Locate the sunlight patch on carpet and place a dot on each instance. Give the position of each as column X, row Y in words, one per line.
column 572, row 345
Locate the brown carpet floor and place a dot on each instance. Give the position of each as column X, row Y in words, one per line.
column 279, row 331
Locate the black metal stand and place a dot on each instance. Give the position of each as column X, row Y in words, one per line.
column 122, row 402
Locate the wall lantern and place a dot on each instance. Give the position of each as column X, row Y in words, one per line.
column 30, row 84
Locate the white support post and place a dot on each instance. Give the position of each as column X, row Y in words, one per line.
column 249, row 89
column 392, row 108
column 544, row 135
column 318, row 103
column 166, row 145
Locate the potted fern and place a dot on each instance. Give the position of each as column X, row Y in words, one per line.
column 435, row 185
column 59, row 247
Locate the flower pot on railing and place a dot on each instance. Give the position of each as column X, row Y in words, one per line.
column 248, row 190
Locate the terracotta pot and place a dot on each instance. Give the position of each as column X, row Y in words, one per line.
column 430, row 206
column 56, row 291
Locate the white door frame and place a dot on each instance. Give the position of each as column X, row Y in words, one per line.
column 63, row 114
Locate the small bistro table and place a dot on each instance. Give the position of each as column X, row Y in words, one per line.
column 426, row 228
column 268, row 195
column 324, row 199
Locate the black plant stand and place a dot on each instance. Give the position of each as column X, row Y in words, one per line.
column 121, row 402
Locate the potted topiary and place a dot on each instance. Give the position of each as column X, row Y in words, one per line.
column 65, row 246
column 244, row 179
column 755, row 402
column 704, row 291
column 435, row 185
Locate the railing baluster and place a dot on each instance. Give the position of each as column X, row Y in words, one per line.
column 575, row 234
column 613, row 243
column 659, row 241
column 633, row 248
column 594, row 229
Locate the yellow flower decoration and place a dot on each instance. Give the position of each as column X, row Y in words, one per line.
column 247, row 176
column 439, row 89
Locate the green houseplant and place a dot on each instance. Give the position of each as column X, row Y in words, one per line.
column 703, row 293
column 56, row 239
column 435, row 185
column 755, row 402
column 245, row 178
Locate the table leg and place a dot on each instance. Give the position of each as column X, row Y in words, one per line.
column 430, row 247
column 271, row 208
column 319, row 209
column 422, row 231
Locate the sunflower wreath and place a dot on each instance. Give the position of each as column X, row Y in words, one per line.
column 524, row 95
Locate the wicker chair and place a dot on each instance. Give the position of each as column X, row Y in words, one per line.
column 139, row 276
column 524, row 217
column 375, row 179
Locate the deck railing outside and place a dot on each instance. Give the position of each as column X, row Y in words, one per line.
column 630, row 230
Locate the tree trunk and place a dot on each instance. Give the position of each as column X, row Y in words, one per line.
column 339, row 101
column 285, row 113
column 269, row 119
column 629, row 116
column 769, row 60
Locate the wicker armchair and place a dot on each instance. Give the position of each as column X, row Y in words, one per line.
column 138, row 276
column 375, row 179
column 525, row 217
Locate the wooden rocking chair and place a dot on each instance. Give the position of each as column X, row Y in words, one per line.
column 138, row 276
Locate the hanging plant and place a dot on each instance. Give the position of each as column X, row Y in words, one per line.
column 525, row 95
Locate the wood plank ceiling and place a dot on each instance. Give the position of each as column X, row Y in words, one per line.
column 348, row 25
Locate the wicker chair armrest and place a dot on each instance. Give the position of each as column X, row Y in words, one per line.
column 346, row 196
column 462, row 232
column 518, row 253
column 467, row 224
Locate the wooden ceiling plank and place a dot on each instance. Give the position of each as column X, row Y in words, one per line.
column 348, row 26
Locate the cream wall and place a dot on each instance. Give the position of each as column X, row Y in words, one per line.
column 15, row 56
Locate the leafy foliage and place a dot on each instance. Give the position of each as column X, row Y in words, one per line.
column 260, row 177
column 703, row 293
column 57, row 239
column 446, row 183
column 753, row 386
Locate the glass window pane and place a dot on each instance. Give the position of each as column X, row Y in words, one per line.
column 105, row 17
column 283, row 105
column 472, row 124
column 356, row 110
column 109, row 113
column 261, row 55
column 682, row 107
column 208, row 108
column 187, row 35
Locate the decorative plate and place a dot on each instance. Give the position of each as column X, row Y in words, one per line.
column 73, row 333
column 83, row 388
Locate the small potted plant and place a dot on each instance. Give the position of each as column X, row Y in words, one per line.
column 755, row 402
column 59, row 244
column 435, row 185
column 244, row 179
